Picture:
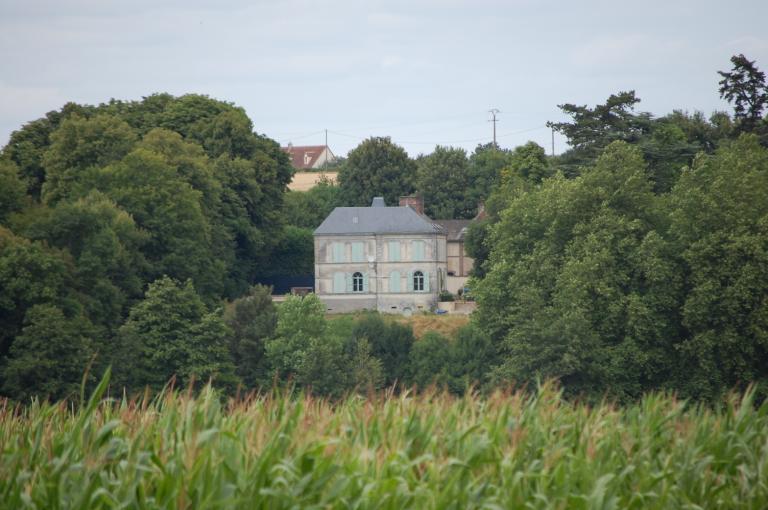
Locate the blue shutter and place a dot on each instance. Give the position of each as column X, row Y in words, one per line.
column 357, row 252
column 349, row 281
column 409, row 282
column 418, row 250
column 394, row 251
column 394, row 281
column 338, row 252
column 339, row 283
column 365, row 282
column 426, row 281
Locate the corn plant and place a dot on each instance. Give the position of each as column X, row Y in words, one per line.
column 509, row 449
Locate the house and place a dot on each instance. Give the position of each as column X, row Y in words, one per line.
column 458, row 264
column 309, row 156
column 390, row 259
column 305, row 181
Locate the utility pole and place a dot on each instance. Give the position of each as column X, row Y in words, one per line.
column 493, row 112
column 553, row 141
column 326, row 138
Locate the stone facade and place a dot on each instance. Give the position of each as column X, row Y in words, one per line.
column 382, row 269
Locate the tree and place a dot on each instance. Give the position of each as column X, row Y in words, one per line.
column 28, row 145
column 444, row 182
column 294, row 254
column 745, row 87
column 579, row 285
column 170, row 210
column 366, row 371
column 80, row 144
column 593, row 129
column 309, row 208
column 529, row 162
column 376, row 167
column 300, row 324
column 12, row 190
column 50, row 356
column 388, row 342
column 485, row 165
column 253, row 320
column 171, row 334
column 719, row 227
column 429, row 360
column 105, row 243
column 30, row 274
column 472, row 357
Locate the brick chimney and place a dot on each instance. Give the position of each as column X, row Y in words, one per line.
column 414, row 202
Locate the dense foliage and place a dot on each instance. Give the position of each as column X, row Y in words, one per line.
column 99, row 202
column 510, row 450
column 131, row 234
column 612, row 288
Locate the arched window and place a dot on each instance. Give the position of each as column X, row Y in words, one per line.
column 418, row 281
column 357, row 282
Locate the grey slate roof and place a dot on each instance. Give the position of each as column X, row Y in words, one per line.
column 378, row 219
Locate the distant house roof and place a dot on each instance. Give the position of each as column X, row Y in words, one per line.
column 307, row 156
column 454, row 229
column 377, row 219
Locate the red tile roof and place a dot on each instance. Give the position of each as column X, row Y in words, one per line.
column 304, row 156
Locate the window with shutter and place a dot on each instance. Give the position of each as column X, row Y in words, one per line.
column 338, row 252
column 357, row 282
column 339, row 283
column 394, row 251
column 357, row 252
column 409, row 282
column 418, row 281
column 394, row 281
column 418, row 250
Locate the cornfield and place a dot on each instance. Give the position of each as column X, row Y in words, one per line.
column 505, row 450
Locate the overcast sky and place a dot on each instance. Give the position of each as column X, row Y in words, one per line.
column 424, row 72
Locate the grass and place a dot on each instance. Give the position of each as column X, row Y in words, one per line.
column 446, row 325
column 509, row 450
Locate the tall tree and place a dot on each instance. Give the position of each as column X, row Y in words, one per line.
column 50, row 356
column 171, row 334
column 745, row 87
column 253, row 320
column 719, row 226
column 376, row 167
column 81, row 144
column 444, row 182
column 592, row 129
column 578, row 284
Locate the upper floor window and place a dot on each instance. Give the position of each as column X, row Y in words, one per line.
column 357, row 282
column 337, row 252
column 418, row 250
column 418, row 281
column 394, row 251
column 357, row 252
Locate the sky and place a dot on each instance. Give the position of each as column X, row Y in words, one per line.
column 424, row 72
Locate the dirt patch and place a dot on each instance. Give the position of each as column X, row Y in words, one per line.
column 444, row 324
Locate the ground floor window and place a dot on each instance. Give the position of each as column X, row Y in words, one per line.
column 418, row 281
column 357, row 282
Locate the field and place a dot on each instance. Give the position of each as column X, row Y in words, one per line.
column 509, row 450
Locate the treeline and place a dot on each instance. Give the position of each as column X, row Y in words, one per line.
column 131, row 234
column 97, row 202
column 643, row 262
